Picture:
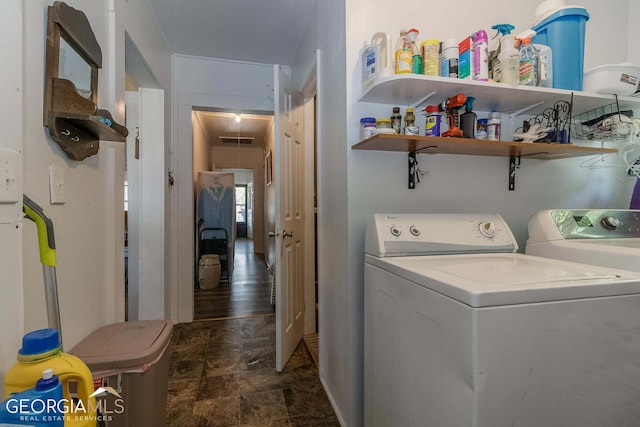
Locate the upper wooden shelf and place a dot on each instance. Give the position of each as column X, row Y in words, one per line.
column 476, row 147
column 411, row 89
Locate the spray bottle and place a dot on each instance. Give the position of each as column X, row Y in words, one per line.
column 529, row 59
column 495, row 67
column 403, row 55
column 416, row 56
column 469, row 119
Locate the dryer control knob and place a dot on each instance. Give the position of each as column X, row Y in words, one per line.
column 610, row 222
column 395, row 231
column 487, row 229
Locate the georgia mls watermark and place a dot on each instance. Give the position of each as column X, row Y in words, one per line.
column 50, row 410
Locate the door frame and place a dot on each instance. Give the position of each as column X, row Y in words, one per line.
column 182, row 209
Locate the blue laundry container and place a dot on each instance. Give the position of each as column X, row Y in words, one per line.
column 564, row 32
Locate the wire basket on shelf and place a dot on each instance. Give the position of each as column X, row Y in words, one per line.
column 606, row 123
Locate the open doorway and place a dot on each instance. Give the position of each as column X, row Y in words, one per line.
column 231, row 144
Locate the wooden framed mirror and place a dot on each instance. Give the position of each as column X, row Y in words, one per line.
column 73, row 58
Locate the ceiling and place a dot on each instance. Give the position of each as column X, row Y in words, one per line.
column 259, row 31
column 222, row 130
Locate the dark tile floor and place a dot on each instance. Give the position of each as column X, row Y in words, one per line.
column 223, row 374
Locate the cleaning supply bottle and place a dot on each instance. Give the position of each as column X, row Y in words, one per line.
column 432, row 127
column 493, row 126
column 416, row 56
column 41, row 406
column 376, row 58
column 431, row 57
column 403, row 55
column 480, row 65
column 41, row 350
column 509, row 61
column 495, row 66
column 529, row 60
column 469, row 119
column 449, row 60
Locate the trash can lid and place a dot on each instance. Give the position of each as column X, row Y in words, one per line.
column 125, row 345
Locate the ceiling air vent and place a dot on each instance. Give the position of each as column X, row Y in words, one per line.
column 236, row 139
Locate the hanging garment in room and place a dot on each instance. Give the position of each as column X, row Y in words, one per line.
column 216, row 207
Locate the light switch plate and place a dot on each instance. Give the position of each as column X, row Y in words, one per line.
column 57, row 177
column 9, row 161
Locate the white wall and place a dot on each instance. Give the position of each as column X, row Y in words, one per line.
column 203, row 82
column 11, row 119
column 376, row 181
column 89, row 226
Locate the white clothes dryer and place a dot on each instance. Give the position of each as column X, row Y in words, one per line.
column 610, row 238
column 462, row 331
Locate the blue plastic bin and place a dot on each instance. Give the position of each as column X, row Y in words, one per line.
column 564, row 33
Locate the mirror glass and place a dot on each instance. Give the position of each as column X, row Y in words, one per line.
column 74, row 68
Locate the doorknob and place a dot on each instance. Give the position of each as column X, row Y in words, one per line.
column 272, row 234
column 285, row 234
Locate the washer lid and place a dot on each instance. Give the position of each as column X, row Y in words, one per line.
column 483, row 280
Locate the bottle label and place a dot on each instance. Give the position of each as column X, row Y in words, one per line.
column 370, row 63
column 433, row 125
column 453, row 68
column 526, row 72
column 404, row 60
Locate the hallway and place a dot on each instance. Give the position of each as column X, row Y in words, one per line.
column 223, row 371
column 248, row 294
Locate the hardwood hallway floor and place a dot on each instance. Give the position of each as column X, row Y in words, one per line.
column 248, row 293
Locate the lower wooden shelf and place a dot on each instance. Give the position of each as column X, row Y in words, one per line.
column 413, row 145
column 476, row 147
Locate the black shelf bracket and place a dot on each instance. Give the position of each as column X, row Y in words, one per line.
column 413, row 170
column 514, row 164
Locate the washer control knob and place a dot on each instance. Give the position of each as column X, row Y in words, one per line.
column 414, row 230
column 610, row 222
column 395, row 231
column 487, row 229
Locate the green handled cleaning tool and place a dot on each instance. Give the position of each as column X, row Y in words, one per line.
column 47, row 244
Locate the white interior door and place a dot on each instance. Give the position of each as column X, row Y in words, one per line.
column 146, row 181
column 289, row 182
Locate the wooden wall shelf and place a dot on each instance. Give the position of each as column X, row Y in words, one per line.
column 74, row 120
column 475, row 147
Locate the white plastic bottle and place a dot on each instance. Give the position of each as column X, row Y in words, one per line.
column 509, row 58
column 449, row 63
column 493, row 126
column 546, row 65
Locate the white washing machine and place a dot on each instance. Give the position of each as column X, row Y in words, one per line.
column 462, row 331
column 610, row 238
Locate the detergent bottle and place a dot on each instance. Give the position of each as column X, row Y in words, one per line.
column 41, row 406
column 376, row 59
column 40, row 351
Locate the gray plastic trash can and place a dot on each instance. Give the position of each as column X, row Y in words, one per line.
column 130, row 358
